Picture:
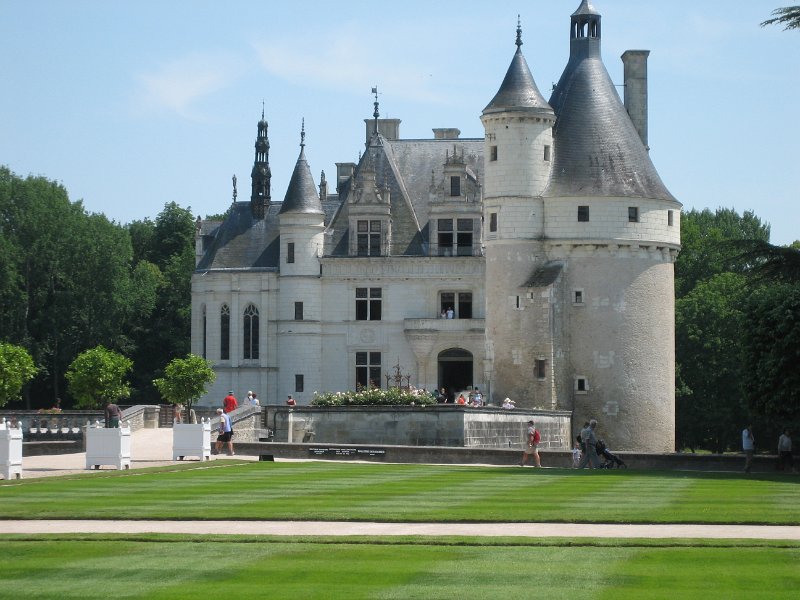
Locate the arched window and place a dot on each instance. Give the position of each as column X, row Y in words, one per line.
column 250, row 333
column 225, row 333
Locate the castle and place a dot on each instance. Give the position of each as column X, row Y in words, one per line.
column 550, row 242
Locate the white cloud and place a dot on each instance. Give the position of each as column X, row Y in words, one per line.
column 178, row 84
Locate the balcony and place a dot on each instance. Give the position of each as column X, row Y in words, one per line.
column 444, row 325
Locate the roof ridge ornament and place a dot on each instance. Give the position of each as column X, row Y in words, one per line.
column 376, row 113
column 303, row 135
column 519, row 33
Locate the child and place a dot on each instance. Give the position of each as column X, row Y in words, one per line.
column 576, row 455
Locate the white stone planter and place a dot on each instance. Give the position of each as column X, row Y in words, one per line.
column 10, row 451
column 108, row 446
column 191, row 439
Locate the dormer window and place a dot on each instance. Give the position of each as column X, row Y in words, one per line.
column 368, row 238
column 455, row 236
column 455, row 185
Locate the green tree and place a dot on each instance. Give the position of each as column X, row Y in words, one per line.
column 767, row 263
column 709, row 324
column 705, row 244
column 16, row 369
column 772, row 352
column 788, row 16
column 185, row 380
column 98, row 375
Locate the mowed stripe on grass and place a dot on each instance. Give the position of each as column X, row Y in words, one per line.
column 416, row 493
column 129, row 568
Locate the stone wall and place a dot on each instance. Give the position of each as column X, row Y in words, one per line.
column 439, row 425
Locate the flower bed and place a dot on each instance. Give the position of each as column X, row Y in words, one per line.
column 375, row 397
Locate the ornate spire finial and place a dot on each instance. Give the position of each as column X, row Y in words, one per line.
column 262, row 110
column 376, row 114
column 303, row 134
column 519, row 33
column 234, row 187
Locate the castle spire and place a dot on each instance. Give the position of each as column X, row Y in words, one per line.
column 261, row 174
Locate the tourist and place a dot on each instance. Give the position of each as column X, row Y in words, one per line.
column 113, row 414
column 589, row 441
column 229, row 403
column 461, row 400
column 785, row 461
column 533, row 444
column 576, row 453
column 443, row 315
column 225, row 435
column 254, row 401
column 508, row 403
column 450, row 313
column 290, row 401
column 178, row 413
column 748, row 447
column 477, row 398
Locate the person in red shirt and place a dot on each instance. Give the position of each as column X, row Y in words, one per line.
column 229, row 403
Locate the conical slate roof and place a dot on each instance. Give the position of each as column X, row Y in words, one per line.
column 518, row 90
column 597, row 149
column 301, row 195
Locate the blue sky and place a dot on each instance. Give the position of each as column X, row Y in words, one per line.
column 133, row 104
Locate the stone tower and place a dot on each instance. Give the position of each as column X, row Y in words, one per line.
column 517, row 159
column 299, row 308
column 579, row 277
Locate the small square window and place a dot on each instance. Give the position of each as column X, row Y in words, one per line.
column 633, row 214
column 298, row 311
column 670, row 218
column 493, row 153
column 581, row 385
column 547, row 153
column 577, row 297
column 583, row 214
column 493, row 222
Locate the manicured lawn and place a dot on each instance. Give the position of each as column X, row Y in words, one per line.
column 348, row 491
column 183, row 567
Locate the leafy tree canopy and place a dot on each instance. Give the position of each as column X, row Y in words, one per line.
column 185, row 380
column 788, row 16
column 97, row 376
column 16, row 369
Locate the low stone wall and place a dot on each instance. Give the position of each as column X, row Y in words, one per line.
column 440, row 425
column 497, row 456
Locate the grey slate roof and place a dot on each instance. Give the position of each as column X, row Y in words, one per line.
column 243, row 242
column 597, row 151
column 518, row 90
column 301, row 194
column 585, row 8
column 545, row 275
column 408, row 168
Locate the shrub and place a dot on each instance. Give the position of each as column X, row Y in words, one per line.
column 375, row 397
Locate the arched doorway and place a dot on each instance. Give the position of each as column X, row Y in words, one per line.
column 455, row 371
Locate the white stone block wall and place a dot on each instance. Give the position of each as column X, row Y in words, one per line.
column 608, row 220
column 520, row 168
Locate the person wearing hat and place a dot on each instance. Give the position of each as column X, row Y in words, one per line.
column 229, row 403
column 225, row 432
column 532, row 448
column 508, row 403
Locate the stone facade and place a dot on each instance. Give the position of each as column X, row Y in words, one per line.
column 550, row 241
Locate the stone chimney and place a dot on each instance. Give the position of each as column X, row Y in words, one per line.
column 446, row 133
column 635, row 64
column 344, row 171
column 388, row 128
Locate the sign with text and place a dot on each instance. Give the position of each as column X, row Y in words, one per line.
column 355, row 452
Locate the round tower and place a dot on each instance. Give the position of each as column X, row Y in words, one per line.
column 614, row 228
column 302, row 222
column 517, row 163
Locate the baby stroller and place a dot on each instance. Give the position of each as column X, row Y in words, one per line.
column 611, row 459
